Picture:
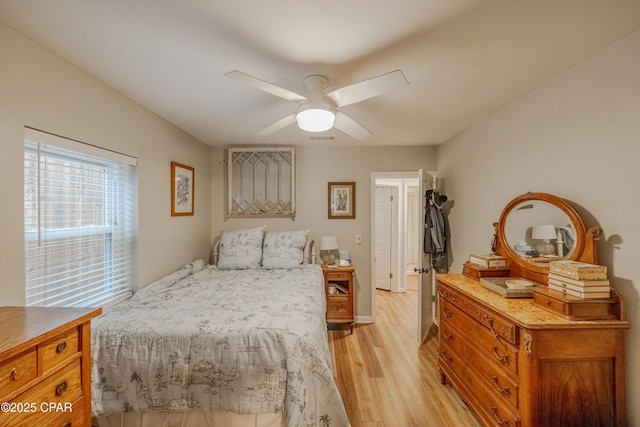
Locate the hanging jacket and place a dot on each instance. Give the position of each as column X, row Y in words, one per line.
column 436, row 233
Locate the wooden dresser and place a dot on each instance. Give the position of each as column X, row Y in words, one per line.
column 516, row 364
column 45, row 366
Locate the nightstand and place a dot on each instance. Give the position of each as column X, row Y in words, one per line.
column 338, row 288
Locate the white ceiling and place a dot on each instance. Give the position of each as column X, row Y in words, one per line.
column 464, row 59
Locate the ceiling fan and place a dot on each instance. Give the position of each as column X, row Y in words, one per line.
column 319, row 111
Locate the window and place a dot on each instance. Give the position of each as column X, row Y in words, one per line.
column 80, row 219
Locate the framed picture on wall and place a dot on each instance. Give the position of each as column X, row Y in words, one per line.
column 182, row 186
column 342, row 200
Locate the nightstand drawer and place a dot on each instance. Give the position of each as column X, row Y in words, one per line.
column 338, row 275
column 18, row 371
column 59, row 349
column 338, row 305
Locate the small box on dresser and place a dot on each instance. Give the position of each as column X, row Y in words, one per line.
column 45, row 366
column 476, row 272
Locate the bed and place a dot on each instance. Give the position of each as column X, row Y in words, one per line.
column 219, row 345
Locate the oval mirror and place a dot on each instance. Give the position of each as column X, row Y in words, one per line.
column 536, row 228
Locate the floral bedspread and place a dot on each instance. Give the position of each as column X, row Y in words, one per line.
column 202, row 339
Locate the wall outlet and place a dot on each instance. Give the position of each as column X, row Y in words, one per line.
column 358, row 239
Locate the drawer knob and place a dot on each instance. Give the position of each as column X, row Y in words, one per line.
column 502, row 390
column 446, row 357
column 445, row 295
column 501, row 421
column 493, row 331
column 61, row 347
column 67, row 424
column 504, row 358
column 13, row 374
column 61, row 388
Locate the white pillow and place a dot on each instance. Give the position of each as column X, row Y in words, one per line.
column 240, row 249
column 284, row 249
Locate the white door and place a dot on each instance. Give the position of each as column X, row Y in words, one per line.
column 425, row 308
column 383, row 237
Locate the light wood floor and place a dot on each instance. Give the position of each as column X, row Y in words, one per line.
column 385, row 378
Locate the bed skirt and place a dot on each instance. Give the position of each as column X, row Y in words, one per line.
column 189, row 419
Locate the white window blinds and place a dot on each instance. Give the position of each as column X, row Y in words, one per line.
column 80, row 209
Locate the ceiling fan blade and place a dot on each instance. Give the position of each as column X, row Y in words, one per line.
column 368, row 88
column 265, row 86
column 349, row 126
column 280, row 124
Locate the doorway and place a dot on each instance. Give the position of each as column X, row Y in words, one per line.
column 396, row 234
column 405, row 241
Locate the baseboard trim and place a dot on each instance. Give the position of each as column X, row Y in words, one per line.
column 363, row 319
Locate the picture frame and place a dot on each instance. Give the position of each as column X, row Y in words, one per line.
column 182, row 189
column 342, row 200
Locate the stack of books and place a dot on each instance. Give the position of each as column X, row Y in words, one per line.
column 488, row 260
column 579, row 279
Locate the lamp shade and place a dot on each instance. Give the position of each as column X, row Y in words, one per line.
column 328, row 243
column 543, row 232
column 315, row 118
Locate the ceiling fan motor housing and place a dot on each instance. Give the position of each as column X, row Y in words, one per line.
column 319, row 112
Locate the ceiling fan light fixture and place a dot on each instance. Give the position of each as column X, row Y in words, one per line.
column 315, row 119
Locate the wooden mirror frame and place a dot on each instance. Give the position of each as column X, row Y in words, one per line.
column 585, row 249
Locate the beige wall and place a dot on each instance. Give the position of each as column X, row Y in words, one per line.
column 577, row 136
column 41, row 90
column 315, row 167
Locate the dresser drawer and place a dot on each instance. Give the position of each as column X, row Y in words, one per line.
column 51, row 398
column 62, row 414
column 62, row 386
column 59, row 349
column 77, row 417
column 492, row 409
column 497, row 325
column 492, row 375
column 18, row 371
column 493, row 347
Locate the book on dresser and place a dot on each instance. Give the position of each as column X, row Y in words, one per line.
column 579, row 283
column 580, row 280
column 578, row 288
column 581, row 294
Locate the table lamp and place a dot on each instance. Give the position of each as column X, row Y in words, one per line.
column 328, row 249
column 544, row 233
